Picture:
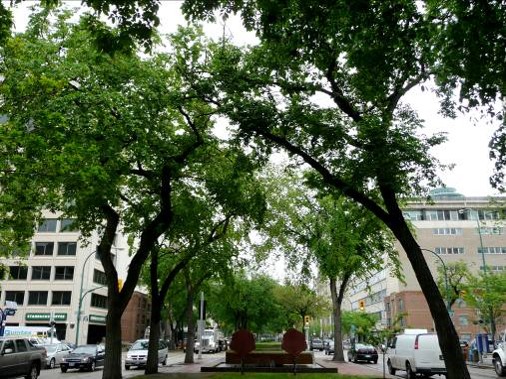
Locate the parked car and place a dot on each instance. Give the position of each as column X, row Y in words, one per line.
column 86, row 357
column 137, row 355
column 363, row 352
column 55, row 354
column 316, row 344
column 415, row 354
column 329, row 347
column 19, row 357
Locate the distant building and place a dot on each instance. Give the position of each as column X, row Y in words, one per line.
column 453, row 227
column 58, row 271
column 136, row 317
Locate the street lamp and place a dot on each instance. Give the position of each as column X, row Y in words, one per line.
column 491, row 313
column 447, row 290
column 81, row 296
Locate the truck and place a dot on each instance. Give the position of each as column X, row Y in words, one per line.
column 19, row 357
column 499, row 356
column 213, row 341
column 38, row 335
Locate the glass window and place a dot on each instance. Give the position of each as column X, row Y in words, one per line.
column 18, row 272
column 61, row 298
column 99, row 277
column 8, row 344
column 44, row 248
column 64, row 273
column 37, row 298
column 67, row 248
column 21, row 346
column 41, row 272
column 47, row 225
column 463, row 320
column 98, row 301
column 67, row 225
column 17, row 296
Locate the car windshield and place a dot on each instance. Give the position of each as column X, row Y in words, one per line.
column 140, row 345
column 362, row 346
column 85, row 350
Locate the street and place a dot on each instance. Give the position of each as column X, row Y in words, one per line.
column 176, row 358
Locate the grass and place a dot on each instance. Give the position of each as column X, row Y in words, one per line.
column 249, row 375
column 268, row 346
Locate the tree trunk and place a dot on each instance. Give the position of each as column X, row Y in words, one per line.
column 336, row 317
column 190, row 336
column 447, row 335
column 113, row 342
column 154, row 337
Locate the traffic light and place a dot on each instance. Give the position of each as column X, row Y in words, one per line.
column 361, row 305
column 307, row 319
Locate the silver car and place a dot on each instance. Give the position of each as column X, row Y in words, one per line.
column 55, row 353
column 138, row 354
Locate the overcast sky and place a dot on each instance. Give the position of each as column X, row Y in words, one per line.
column 467, row 146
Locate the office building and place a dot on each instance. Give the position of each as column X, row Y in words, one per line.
column 450, row 228
column 60, row 270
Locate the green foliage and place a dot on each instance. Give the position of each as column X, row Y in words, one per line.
column 485, row 292
column 244, row 302
column 458, row 275
column 362, row 323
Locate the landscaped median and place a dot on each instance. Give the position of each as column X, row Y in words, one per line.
column 251, row 375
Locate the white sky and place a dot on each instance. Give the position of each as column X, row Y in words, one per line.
column 467, row 146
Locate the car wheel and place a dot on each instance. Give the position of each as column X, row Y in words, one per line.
column 92, row 366
column 33, row 373
column 375, row 361
column 164, row 362
column 52, row 363
column 409, row 372
column 499, row 369
column 127, row 367
column 355, row 360
column 391, row 370
column 63, row 369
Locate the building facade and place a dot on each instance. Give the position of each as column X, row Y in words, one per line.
column 62, row 280
column 449, row 228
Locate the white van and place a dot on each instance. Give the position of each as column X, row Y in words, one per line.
column 415, row 354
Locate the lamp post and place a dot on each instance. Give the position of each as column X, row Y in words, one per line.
column 482, row 250
column 448, row 308
column 81, row 296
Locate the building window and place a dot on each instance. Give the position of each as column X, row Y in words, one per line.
column 494, row 268
column 37, row 297
column 48, row 225
column 64, row 273
column 67, row 248
column 41, row 272
column 463, row 320
column 442, row 215
column 67, row 225
column 447, row 231
column 492, row 250
column 99, row 277
column 17, row 296
column 18, row 272
column 61, row 298
column 98, row 301
column 401, row 305
column 449, row 250
column 44, row 248
column 493, row 230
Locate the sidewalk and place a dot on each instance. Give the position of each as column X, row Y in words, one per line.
column 347, row 368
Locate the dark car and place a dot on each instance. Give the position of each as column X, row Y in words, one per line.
column 86, row 357
column 363, row 352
